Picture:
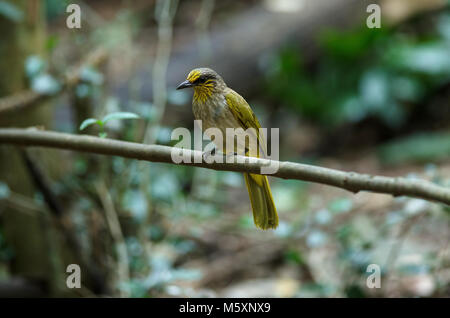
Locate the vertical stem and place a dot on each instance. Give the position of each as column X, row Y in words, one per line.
column 164, row 13
column 123, row 272
column 202, row 24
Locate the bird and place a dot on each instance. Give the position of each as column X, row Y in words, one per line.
column 218, row 106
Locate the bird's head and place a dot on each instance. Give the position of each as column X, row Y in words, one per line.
column 205, row 82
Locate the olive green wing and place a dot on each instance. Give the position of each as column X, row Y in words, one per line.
column 245, row 116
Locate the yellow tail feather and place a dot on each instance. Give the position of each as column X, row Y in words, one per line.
column 264, row 212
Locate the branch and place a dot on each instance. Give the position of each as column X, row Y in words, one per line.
column 164, row 13
column 350, row 181
column 28, row 98
column 112, row 219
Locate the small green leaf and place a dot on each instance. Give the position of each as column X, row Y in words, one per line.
column 51, row 43
column 119, row 115
column 88, row 122
column 103, row 135
column 294, row 256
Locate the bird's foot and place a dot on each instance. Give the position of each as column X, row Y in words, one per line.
column 207, row 154
column 230, row 156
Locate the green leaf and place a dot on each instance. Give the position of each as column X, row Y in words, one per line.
column 10, row 11
column 431, row 58
column 294, row 256
column 88, row 122
column 51, row 43
column 350, row 44
column 119, row 115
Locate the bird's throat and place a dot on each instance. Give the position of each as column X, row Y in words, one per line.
column 202, row 93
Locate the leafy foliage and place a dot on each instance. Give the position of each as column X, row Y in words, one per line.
column 101, row 123
column 180, row 224
column 90, row 121
column 416, row 148
column 363, row 73
column 119, row 115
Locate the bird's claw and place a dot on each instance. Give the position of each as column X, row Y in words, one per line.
column 230, row 156
column 207, row 154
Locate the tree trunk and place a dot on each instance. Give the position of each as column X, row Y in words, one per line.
column 26, row 232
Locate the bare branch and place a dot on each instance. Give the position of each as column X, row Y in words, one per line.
column 164, row 14
column 350, row 181
column 112, row 219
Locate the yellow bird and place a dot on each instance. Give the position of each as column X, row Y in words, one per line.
column 218, row 106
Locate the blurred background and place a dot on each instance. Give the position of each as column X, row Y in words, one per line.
column 344, row 96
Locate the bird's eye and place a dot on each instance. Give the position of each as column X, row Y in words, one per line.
column 200, row 80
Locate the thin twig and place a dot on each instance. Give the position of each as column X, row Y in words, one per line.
column 202, row 25
column 116, row 232
column 396, row 248
column 164, row 14
column 24, row 204
column 350, row 181
column 401, row 238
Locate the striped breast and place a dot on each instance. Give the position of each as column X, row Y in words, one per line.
column 215, row 113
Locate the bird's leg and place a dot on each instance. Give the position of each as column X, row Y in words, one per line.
column 236, row 153
column 229, row 156
column 207, row 154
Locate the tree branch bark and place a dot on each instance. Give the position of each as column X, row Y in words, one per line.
column 350, row 181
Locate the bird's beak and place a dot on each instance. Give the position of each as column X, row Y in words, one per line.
column 185, row 84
